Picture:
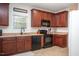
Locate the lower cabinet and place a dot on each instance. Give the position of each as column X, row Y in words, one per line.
column 23, row 43
column 8, row 46
column 13, row 45
column 60, row 40
column 20, row 44
column 28, row 43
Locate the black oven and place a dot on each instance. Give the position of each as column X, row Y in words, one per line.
column 47, row 38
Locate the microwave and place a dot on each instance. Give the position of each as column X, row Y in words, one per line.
column 45, row 23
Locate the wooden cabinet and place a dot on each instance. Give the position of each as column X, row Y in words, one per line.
column 44, row 15
column 61, row 19
column 23, row 43
column 4, row 14
column 13, row 45
column 28, row 43
column 0, row 46
column 64, row 19
column 38, row 15
column 20, row 44
column 8, row 45
column 53, row 21
column 36, row 18
column 50, row 18
column 56, row 19
column 60, row 40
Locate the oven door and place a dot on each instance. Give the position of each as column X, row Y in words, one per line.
column 47, row 41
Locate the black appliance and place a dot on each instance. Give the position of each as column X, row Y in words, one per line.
column 45, row 23
column 36, row 42
column 47, row 38
column 0, row 32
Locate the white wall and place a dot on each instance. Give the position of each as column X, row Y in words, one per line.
column 10, row 29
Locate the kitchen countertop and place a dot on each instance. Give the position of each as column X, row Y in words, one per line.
column 59, row 33
column 21, row 35
column 34, row 34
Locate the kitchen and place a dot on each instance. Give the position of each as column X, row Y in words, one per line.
column 31, row 27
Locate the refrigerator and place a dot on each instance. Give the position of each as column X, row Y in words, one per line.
column 73, row 33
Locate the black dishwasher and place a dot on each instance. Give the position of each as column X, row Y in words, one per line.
column 36, row 42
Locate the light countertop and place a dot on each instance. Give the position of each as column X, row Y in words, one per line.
column 34, row 34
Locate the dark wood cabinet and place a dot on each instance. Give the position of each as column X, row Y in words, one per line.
column 60, row 40
column 50, row 18
column 4, row 14
column 64, row 19
column 8, row 45
column 38, row 15
column 13, row 45
column 0, row 46
column 56, row 19
column 44, row 15
column 28, row 43
column 20, row 44
column 24, row 43
column 61, row 19
column 36, row 18
column 53, row 21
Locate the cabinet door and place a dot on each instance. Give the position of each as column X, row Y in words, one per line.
column 50, row 17
column 0, row 46
column 20, row 44
column 53, row 21
column 28, row 43
column 36, row 18
column 8, row 45
column 4, row 14
column 44, row 16
column 60, row 40
column 57, row 20
column 63, row 19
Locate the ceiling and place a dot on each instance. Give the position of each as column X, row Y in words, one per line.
column 50, row 6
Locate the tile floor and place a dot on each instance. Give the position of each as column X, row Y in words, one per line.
column 51, row 51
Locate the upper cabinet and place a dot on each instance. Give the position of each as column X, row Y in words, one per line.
column 4, row 14
column 38, row 15
column 56, row 19
column 61, row 19
column 36, row 18
column 64, row 19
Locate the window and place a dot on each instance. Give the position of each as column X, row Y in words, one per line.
column 19, row 21
column 19, row 18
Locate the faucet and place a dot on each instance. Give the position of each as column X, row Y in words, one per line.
column 22, row 30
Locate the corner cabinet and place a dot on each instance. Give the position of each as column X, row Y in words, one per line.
column 61, row 19
column 4, row 14
column 60, row 40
